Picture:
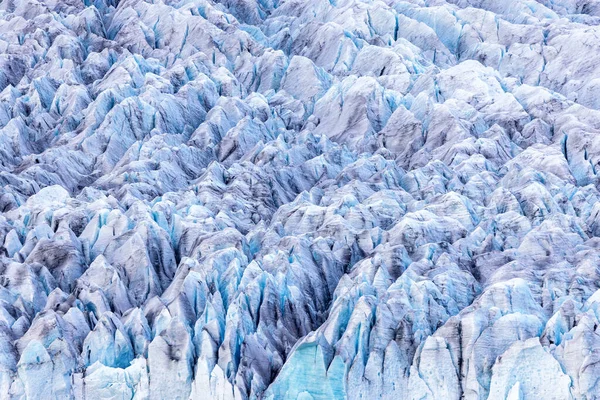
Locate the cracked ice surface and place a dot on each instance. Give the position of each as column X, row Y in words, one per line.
column 299, row 199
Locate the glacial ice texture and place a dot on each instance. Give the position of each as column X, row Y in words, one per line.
column 300, row 199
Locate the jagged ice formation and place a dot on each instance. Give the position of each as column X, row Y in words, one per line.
column 299, row 199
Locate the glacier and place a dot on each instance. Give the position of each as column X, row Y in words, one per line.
column 300, row 199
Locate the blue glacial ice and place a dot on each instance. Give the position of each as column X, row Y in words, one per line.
column 300, row 199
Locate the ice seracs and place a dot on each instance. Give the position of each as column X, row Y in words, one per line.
column 299, row 199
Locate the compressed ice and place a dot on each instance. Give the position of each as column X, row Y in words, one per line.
column 300, row 199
